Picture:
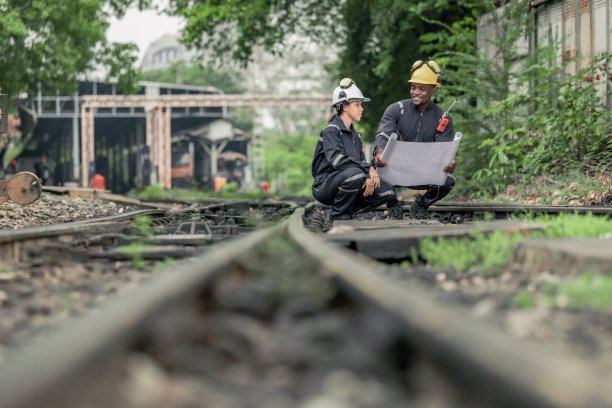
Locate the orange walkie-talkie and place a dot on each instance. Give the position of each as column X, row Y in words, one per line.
column 444, row 119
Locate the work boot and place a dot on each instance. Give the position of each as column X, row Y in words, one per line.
column 395, row 213
column 418, row 211
column 329, row 223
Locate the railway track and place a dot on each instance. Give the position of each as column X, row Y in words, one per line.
column 283, row 317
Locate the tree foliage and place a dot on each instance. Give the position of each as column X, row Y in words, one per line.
column 521, row 113
column 287, row 161
column 228, row 80
column 231, row 28
column 53, row 42
column 378, row 40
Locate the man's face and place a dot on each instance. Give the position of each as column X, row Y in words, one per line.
column 421, row 94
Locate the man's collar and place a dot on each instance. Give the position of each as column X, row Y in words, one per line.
column 431, row 104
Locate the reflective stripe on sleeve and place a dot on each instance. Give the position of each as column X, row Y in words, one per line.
column 401, row 105
column 337, row 159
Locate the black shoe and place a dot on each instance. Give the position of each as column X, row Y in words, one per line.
column 330, row 221
column 395, row 213
column 418, row 211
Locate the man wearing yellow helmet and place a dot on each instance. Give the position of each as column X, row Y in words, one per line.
column 342, row 176
column 416, row 120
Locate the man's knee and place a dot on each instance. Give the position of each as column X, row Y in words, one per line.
column 450, row 182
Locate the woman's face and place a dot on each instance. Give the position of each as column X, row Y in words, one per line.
column 354, row 111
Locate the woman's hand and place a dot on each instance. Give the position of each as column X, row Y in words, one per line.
column 369, row 187
column 374, row 177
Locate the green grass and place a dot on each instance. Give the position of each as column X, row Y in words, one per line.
column 134, row 250
column 487, row 251
column 585, row 291
column 160, row 266
column 144, row 238
column 523, row 300
column 490, row 252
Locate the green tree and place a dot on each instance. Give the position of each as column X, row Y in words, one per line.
column 287, row 161
column 228, row 80
column 378, row 40
column 53, row 42
column 521, row 113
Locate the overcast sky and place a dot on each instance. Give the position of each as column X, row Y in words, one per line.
column 142, row 27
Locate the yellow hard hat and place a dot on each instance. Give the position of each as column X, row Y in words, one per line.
column 426, row 73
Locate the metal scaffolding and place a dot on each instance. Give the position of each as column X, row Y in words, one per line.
column 158, row 125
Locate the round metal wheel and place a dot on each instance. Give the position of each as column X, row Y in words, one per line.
column 24, row 188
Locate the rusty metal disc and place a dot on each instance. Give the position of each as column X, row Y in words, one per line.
column 24, row 188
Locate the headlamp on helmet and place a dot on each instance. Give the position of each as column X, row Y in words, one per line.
column 347, row 92
column 426, row 73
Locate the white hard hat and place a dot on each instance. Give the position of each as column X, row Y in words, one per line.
column 347, row 91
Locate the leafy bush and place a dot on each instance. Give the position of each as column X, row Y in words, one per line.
column 522, row 114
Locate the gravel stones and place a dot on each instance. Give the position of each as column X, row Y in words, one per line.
column 55, row 210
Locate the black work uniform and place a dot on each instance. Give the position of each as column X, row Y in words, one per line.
column 339, row 169
column 411, row 125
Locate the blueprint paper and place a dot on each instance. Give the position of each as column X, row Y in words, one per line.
column 415, row 164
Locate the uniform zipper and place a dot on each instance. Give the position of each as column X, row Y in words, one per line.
column 419, row 129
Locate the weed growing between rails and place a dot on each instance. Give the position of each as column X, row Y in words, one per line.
column 143, row 239
column 490, row 252
column 585, row 291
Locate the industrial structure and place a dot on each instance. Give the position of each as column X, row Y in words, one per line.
column 128, row 138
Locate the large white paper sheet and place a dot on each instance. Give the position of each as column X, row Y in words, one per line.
column 416, row 164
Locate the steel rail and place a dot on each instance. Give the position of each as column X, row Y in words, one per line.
column 13, row 242
column 508, row 209
column 510, row 373
column 62, row 370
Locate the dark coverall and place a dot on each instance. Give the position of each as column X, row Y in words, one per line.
column 411, row 125
column 339, row 169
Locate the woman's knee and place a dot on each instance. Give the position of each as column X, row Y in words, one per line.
column 352, row 179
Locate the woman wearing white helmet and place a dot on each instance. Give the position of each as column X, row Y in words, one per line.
column 342, row 176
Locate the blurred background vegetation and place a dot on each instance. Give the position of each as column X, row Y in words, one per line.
column 524, row 119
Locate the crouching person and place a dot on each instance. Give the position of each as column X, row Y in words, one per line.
column 342, row 176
